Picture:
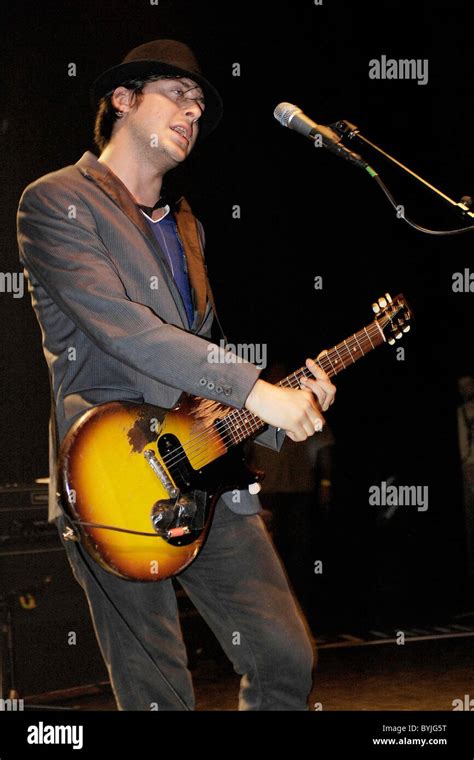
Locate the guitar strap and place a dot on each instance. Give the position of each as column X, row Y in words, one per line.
column 191, row 235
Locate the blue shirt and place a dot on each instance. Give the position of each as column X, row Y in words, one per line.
column 166, row 234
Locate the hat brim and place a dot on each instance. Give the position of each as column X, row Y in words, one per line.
column 117, row 75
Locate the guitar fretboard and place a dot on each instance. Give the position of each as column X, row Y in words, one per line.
column 240, row 424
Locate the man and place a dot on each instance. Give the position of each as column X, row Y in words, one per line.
column 92, row 240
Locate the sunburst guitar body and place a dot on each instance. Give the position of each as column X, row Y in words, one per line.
column 125, row 467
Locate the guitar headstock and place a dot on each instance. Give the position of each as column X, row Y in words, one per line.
column 393, row 316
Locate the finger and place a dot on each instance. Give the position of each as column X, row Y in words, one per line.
column 319, row 391
column 325, row 392
column 316, row 370
column 313, row 424
column 317, row 423
column 308, row 428
column 297, row 437
column 304, row 427
column 321, row 375
column 314, row 402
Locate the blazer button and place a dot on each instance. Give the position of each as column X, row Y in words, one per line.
column 210, row 385
column 202, row 381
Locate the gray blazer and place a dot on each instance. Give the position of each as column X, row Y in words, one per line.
column 113, row 321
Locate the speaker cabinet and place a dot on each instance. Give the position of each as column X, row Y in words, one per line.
column 42, row 607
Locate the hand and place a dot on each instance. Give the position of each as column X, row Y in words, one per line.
column 296, row 411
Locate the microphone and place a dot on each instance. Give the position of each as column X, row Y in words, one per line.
column 293, row 117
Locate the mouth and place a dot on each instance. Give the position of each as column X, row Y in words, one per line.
column 183, row 133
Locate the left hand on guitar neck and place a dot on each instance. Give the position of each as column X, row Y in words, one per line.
column 297, row 411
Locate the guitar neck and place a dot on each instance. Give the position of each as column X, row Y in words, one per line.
column 240, row 424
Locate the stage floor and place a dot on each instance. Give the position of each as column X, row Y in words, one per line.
column 430, row 671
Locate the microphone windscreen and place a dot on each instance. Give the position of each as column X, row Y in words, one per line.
column 284, row 111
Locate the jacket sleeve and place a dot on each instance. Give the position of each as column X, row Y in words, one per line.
column 68, row 258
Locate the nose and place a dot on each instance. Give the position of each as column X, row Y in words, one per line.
column 193, row 109
column 193, row 115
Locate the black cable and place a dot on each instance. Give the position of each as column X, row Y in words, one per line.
column 115, row 527
column 427, row 231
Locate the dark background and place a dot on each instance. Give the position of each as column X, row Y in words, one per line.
column 303, row 213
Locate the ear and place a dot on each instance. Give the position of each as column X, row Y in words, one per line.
column 122, row 99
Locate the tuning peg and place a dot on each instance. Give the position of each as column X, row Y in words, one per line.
column 375, row 308
column 406, row 328
column 382, row 302
column 398, row 335
column 388, row 297
column 391, row 341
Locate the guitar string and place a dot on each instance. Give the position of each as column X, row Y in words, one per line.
column 241, row 415
column 203, row 439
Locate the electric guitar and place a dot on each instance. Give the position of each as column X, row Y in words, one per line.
column 139, row 484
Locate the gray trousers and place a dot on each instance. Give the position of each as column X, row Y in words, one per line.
column 239, row 587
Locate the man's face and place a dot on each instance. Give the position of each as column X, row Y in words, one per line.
column 165, row 118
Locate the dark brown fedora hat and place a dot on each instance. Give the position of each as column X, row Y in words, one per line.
column 162, row 57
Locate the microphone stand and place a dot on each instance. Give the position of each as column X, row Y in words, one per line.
column 346, row 129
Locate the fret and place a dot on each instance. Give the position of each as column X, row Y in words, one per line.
column 361, row 349
column 349, row 351
column 365, row 329
column 326, row 356
column 240, row 425
column 339, row 357
column 344, row 350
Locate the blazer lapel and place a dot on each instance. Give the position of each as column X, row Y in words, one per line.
column 191, row 242
column 118, row 192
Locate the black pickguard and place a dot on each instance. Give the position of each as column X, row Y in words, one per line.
column 204, row 486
